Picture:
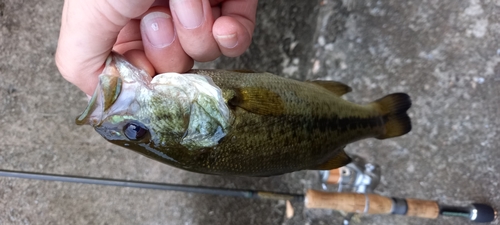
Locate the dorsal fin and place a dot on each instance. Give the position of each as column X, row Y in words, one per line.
column 333, row 86
column 341, row 159
column 258, row 100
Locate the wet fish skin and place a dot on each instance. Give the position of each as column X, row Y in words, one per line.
column 272, row 126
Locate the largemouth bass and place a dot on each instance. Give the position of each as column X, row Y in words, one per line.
column 236, row 122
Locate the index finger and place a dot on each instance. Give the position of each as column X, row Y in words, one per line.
column 86, row 41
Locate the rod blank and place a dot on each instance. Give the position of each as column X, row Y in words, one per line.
column 152, row 185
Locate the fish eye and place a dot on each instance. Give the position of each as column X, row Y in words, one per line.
column 135, row 131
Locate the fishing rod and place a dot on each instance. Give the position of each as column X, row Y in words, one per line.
column 346, row 202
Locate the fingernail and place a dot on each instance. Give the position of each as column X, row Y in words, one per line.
column 227, row 41
column 158, row 28
column 189, row 12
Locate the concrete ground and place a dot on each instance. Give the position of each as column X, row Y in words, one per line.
column 445, row 54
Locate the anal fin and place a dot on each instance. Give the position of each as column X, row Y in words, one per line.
column 341, row 159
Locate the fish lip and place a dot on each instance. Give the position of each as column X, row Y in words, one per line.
column 130, row 79
column 93, row 105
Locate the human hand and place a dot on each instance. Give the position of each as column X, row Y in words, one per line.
column 157, row 36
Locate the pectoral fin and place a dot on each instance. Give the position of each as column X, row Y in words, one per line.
column 341, row 159
column 258, row 100
column 336, row 87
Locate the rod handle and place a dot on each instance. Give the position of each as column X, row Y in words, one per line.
column 371, row 204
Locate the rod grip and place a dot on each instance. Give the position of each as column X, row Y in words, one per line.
column 349, row 202
column 422, row 208
column 371, row 204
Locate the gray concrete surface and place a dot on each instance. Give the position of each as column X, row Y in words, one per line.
column 445, row 54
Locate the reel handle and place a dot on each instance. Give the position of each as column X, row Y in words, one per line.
column 333, row 176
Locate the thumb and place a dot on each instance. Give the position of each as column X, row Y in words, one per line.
column 89, row 29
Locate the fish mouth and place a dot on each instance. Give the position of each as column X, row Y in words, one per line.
column 84, row 116
column 104, row 96
column 115, row 91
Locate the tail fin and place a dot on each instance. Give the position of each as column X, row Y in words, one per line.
column 393, row 108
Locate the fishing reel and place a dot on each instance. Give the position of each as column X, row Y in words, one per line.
column 358, row 176
column 361, row 176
